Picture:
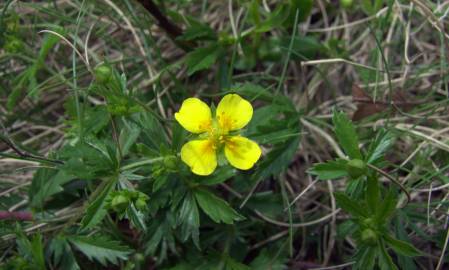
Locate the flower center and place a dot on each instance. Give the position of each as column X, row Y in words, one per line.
column 217, row 134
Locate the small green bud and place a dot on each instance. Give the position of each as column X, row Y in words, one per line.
column 119, row 203
column 346, row 3
column 356, row 168
column 369, row 237
column 141, row 204
column 103, row 73
column 170, row 162
column 225, row 39
column 369, row 223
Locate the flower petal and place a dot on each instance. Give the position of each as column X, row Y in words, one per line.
column 194, row 115
column 241, row 152
column 200, row 156
column 233, row 112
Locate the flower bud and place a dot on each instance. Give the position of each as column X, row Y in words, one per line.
column 369, row 237
column 141, row 204
column 170, row 162
column 119, row 203
column 103, row 73
column 356, row 168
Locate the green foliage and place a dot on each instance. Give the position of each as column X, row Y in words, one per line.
column 202, row 58
column 96, row 210
column 100, row 248
column 217, row 209
column 346, row 135
column 93, row 175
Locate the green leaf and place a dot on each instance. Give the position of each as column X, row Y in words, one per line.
column 278, row 159
column 198, row 31
column 202, row 58
column 62, row 254
column 100, row 248
column 231, row 264
column 216, row 208
column 385, row 260
column 37, row 250
column 277, row 17
column 86, row 161
column 330, row 170
column 222, row 174
column 372, row 193
column 32, row 250
column 96, row 210
column 383, row 141
column 47, row 182
column 349, row 205
column 346, row 135
column 189, row 218
column 401, row 247
column 268, row 260
column 128, row 137
column 366, row 258
column 387, row 207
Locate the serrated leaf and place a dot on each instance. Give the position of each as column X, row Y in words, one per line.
column 202, row 58
column 45, row 184
column 330, row 170
column 62, row 254
column 100, row 249
column 189, row 218
column 346, row 135
column 401, row 247
column 349, row 205
column 96, row 210
column 383, row 141
column 216, row 208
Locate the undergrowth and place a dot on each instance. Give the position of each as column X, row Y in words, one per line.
column 240, row 134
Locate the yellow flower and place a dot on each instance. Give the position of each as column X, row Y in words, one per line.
column 215, row 133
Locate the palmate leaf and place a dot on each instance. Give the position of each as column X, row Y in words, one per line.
column 100, row 248
column 346, row 135
column 216, row 208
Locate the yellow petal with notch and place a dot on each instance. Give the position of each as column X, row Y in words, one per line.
column 233, row 112
column 242, row 152
column 194, row 115
column 200, row 156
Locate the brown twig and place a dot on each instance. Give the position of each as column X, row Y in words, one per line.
column 26, row 155
column 169, row 27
